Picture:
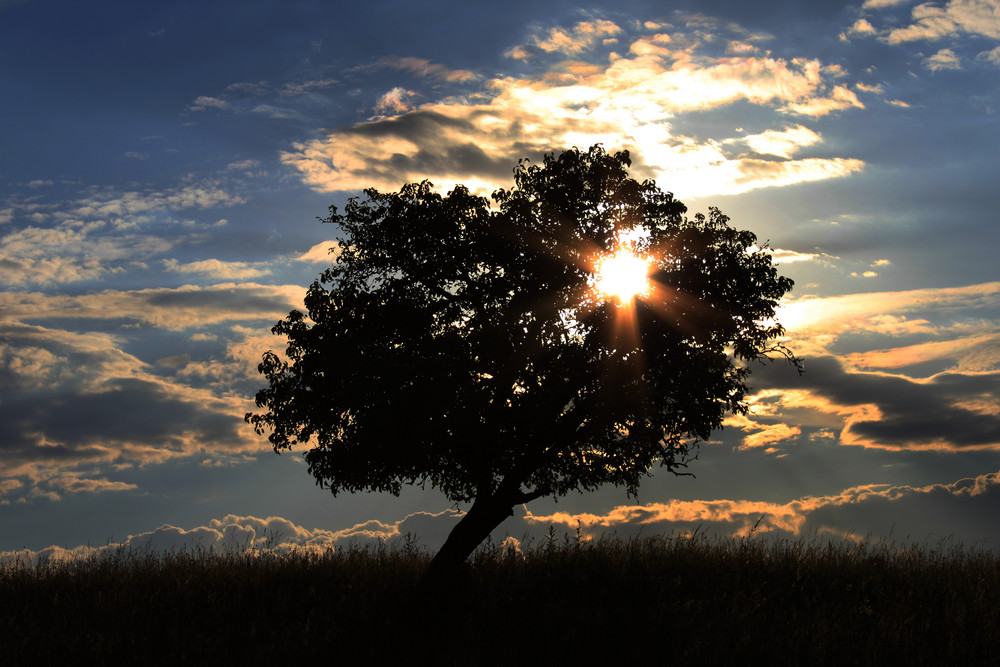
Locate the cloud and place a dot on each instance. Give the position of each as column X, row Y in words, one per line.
column 782, row 143
column 625, row 102
column 321, row 253
column 394, row 102
column 992, row 57
column 72, row 484
column 763, row 435
column 584, row 36
column 958, row 17
column 214, row 268
column 943, row 59
column 169, row 308
column 204, row 102
column 305, row 87
column 425, row 68
column 788, row 256
column 882, row 4
column 235, row 534
column 97, row 234
column 77, row 399
column 886, row 411
column 973, row 354
column 70, row 253
column 857, row 312
column 862, row 27
column 936, row 510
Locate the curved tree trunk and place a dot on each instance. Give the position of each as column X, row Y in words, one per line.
column 484, row 515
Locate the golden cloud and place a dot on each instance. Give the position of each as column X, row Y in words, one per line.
column 623, row 102
column 740, row 517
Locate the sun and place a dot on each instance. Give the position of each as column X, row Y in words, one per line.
column 623, row 275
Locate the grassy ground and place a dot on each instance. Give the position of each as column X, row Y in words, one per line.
column 656, row 600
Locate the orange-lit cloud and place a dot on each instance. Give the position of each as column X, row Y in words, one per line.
column 424, row 68
column 811, row 514
column 958, row 17
column 973, row 353
column 581, row 37
column 170, row 308
column 858, row 311
column 214, row 268
column 394, row 102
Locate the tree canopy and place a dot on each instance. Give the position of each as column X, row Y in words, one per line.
column 466, row 344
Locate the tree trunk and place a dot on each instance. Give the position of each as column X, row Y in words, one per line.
column 484, row 515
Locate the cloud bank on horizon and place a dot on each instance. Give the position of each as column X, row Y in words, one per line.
column 134, row 309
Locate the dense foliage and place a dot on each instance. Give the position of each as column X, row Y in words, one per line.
column 464, row 346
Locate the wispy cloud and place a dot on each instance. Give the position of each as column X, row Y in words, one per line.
column 204, row 102
column 217, row 269
column 170, row 308
column 425, row 68
column 583, row 36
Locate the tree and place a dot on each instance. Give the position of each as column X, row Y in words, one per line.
column 468, row 347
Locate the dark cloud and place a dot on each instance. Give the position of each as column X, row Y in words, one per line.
column 76, row 399
column 940, row 412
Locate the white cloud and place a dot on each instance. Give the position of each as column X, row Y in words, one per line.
column 783, row 143
column 250, row 535
column 788, row 256
column 321, row 253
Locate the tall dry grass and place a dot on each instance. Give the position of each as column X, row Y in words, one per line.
column 672, row 601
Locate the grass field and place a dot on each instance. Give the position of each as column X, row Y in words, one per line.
column 653, row 600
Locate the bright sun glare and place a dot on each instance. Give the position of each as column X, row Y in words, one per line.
column 623, row 275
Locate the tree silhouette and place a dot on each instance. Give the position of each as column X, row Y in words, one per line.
column 467, row 347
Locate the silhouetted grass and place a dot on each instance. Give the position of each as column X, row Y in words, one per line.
column 665, row 600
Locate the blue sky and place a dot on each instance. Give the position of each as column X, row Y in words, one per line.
column 163, row 167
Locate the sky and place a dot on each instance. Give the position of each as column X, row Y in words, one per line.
column 163, row 167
